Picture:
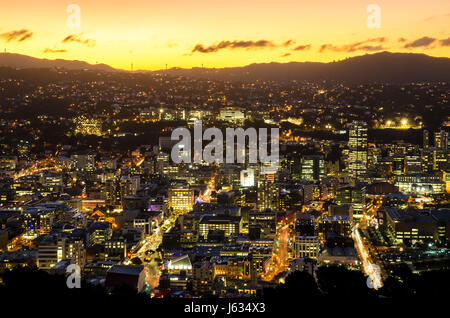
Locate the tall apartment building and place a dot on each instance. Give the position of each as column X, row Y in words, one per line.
column 357, row 144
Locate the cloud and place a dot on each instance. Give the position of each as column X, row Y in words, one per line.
column 78, row 39
column 49, row 50
column 286, row 54
column 436, row 17
column 232, row 45
column 422, row 42
column 17, row 35
column 445, row 42
column 288, row 43
column 365, row 45
column 303, row 47
column 401, row 40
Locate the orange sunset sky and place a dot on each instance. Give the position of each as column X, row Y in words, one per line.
column 217, row 33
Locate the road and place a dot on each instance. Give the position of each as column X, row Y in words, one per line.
column 280, row 253
column 369, row 268
column 206, row 196
column 39, row 166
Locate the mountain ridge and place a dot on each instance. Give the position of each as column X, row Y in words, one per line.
column 382, row 66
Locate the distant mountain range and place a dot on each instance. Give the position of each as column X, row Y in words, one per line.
column 23, row 61
column 384, row 66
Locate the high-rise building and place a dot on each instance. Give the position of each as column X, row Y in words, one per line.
column 83, row 162
column 413, row 164
column 181, row 199
column 441, row 139
column 357, row 144
column 312, row 167
column 268, row 195
column 266, row 221
column 434, row 159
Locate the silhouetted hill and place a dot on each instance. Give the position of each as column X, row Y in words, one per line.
column 384, row 66
column 24, row 62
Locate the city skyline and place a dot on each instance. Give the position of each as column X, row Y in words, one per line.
column 169, row 155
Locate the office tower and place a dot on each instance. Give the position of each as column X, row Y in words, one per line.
column 398, row 164
column 162, row 163
column 313, row 168
column 265, row 220
column 413, row 164
column 83, row 162
column 268, row 195
column 356, row 196
column 135, row 184
column 434, row 159
column 441, row 139
column 112, row 192
column 126, row 188
column 357, row 144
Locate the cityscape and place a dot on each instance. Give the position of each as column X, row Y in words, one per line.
column 100, row 201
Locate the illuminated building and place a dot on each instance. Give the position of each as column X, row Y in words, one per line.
column 341, row 225
column 268, row 195
column 307, row 265
column 418, row 225
column 232, row 114
column 82, row 162
column 88, row 126
column 99, row 233
column 345, row 209
column 108, row 163
column 420, row 184
column 434, row 159
column 398, row 165
column 8, row 162
column 446, row 178
column 181, row 199
column 354, row 196
column 307, row 246
column 182, row 263
column 229, row 224
column 162, row 163
column 441, row 139
column 203, row 275
column 357, row 144
column 266, row 221
column 48, row 178
column 413, row 164
column 53, row 250
column 312, row 168
column 112, row 192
